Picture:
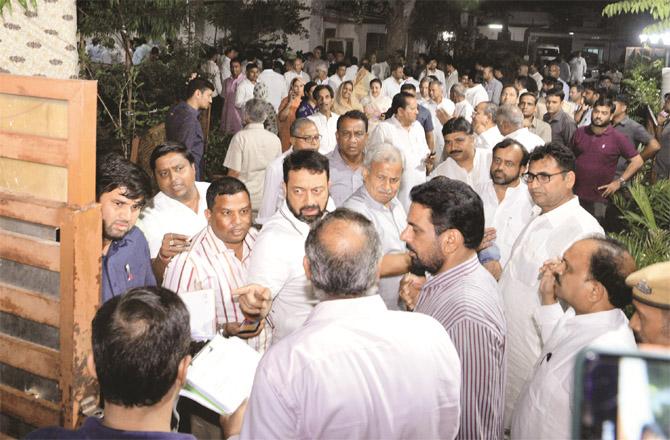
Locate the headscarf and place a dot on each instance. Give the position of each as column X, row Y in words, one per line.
column 261, row 91
column 340, row 106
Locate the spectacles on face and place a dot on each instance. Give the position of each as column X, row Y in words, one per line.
column 540, row 177
column 349, row 134
column 309, row 139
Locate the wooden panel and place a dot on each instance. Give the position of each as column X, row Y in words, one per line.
column 81, row 145
column 31, row 357
column 80, row 297
column 40, row 86
column 24, row 406
column 34, row 115
column 28, row 250
column 35, row 179
column 31, row 209
column 34, row 149
column 29, row 305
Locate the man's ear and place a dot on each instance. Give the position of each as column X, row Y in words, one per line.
column 449, row 241
column 570, row 179
column 90, row 365
column 597, row 293
column 208, row 214
column 183, row 369
column 306, row 266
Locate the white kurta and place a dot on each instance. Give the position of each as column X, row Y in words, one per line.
column 244, row 92
column 327, row 128
column 478, row 175
column 508, row 217
column 476, row 95
column 391, row 87
column 168, row 215
column 526, row 138
column 449, row 107
column 356, row 370
column 546, row 236
column 412, row 144
column 488, row 138
column 276, row 86
column 544, row 409
column 273, row 188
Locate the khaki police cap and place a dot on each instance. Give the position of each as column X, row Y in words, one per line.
column 651, row 285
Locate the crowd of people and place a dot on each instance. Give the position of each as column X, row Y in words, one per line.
column 423, row 251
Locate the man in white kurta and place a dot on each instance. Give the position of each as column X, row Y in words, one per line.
column 406, row 134
column 557, row 222
column 276, row 83
column 245, row 89
column 355, row 369
column 446, row 110
column 325, row 119
column 594, row 319
column 484, row 125
column 391, row 85
column 509, row 119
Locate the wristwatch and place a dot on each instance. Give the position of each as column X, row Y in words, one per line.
column 622, row 181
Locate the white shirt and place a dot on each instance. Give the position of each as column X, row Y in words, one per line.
column 357, row 370
column 225, row 68
column 273, row 188
column 391, row 87
column 327, row 128
column 545, row 407
column 244, row 92
column 577, row 69
column 546, row 236
column 464, row 109
column 334, row 81
column 343, row 180
column 389, row 222
column 476, row 94
column 449, row 107
column 537, row 76
column 276, row 86
column 250, row 152
column 276, row 263
column 439, row 75
column 322, row 82
column 488, row 138
column 509, row 216
column 412, row 144
column 526, row 138
column 214, row 75
column 168, row 215
column 451, row 80
column 140, row 53
column 350, row 73
column 288, row 77
column 480, row 172
column 210, row 264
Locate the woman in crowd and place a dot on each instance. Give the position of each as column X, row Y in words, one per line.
column 375, row 104
column 345, row 100
column 307, row 105
column 287, row 110
column 509, row 95
column 261, row 92
column 362, row 80
column 231, row 119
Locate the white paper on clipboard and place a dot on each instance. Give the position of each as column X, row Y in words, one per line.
column 202, row 308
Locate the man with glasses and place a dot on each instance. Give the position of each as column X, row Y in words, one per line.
column 557, row 222
column 346, row 160
column 325, row 119
column 304, row 136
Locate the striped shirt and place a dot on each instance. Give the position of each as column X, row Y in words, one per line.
column 209, row 264
column 464, row 299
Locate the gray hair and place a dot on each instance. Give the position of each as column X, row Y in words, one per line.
column 299, row 124
column 458, row 89
column 385, row 153
column 255, row 110
column 343, row 250
column 511, row 114
column 490, row 110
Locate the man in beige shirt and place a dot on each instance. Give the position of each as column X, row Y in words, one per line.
column 528, row 106
column 251, row 150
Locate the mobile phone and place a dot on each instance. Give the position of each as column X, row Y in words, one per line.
column 249, row 326
column 621, row 395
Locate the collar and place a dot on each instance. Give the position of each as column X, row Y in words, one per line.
column 124, row 241
column 454, row 274
column 347, row 308
column 624, row 121
column 375, row 204
column 557, row 116
column 571, row 204
column 254, row 126
column 609, row 318
column 607, row 131
column 221, row 247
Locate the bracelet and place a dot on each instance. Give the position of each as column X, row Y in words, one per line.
column 164, row 259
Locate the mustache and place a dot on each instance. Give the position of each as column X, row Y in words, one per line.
column 304, row 208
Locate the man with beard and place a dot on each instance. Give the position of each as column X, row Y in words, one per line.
column 590, row 95
column 276, row 262
column 597, row 149
column 556, row 223
column 563, row 126
column 122, row 189
column 445, row 227
column 507, row 203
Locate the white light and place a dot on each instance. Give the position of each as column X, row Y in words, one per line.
column 446, row 35
column 654, row 38
column 666, row 39
column 495, row 26
column 571, row 33
column 643, row 38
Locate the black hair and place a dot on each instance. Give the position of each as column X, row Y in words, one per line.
column 354, row 114
column 340, row 64
column 310, row 160
column 222, row 187
column 453, row 205
column 456, row 124
column 608, row 267
column 605, row 101
column 201, row 84
column 563, row 155
column 139, row 339
column 399, row 101
column 525, row 155
column 167, row 148
column 210, row 52
column 114, row 171
column 250, row 66
column 377, row 80
column 315, row 93
column 529, row 94
column 305, row 90
column 556, row 91
column 525, row 81
column 407, row 86
column 550, row 80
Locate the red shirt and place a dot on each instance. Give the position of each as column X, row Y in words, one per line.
column 597, row 157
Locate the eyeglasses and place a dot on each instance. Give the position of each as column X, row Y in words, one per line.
column 541, row 177
column 309, row 139
column 349, row 135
